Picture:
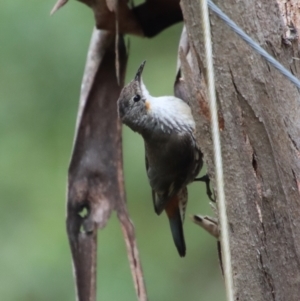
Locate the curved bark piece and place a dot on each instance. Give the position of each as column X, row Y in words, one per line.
column 208, row 223
column 260, row 145
column 156, row 15
column 147, row 19
column 96, row 185
column 92, row 174
column 57, row 6
column 93, row 183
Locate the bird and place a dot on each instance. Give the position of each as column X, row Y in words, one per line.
column 173, row 158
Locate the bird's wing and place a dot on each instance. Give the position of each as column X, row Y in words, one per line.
column 181, row 167
column 163, row 188
column 151, row 177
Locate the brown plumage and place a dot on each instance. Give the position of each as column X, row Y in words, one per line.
column 173, row 159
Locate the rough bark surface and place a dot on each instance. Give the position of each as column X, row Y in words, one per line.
column 260, row 112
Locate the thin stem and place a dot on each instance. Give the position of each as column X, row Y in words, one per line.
column 217, row 154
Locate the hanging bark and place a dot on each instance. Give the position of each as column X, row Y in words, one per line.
column 260, row 110
column 95, row 184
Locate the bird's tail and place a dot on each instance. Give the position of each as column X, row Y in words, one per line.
column 177, row 232
column 175, row 215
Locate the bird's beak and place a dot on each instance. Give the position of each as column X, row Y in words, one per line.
column 138, row 75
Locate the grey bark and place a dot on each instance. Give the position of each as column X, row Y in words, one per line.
column 260, row 131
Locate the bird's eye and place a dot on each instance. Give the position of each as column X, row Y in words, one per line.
column 137, row 97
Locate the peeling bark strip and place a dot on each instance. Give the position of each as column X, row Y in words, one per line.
column 291, row 19
column 146, row 19
column 261, row 119
column 95, row 174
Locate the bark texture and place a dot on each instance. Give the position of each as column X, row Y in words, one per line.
column 95, row 182
column 260, row 132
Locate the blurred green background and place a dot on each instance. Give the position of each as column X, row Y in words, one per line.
column 41, row 65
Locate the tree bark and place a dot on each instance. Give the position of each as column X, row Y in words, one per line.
column 260, row 134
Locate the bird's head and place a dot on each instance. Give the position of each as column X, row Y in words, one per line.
column 132, row 103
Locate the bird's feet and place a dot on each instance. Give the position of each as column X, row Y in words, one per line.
column 206, row 180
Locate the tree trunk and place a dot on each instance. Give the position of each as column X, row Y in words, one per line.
column 259, row 114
